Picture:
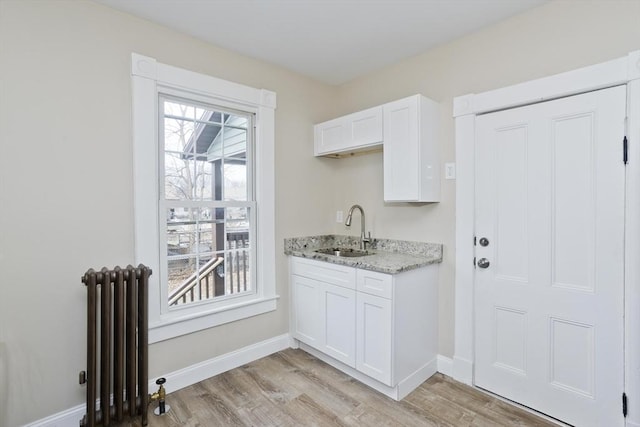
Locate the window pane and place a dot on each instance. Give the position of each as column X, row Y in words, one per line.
column 207, row 277
column 237, row 121
column 208, row 115
column 207, row 231
column 235, row 182
column 237, row 220
column 178, row 134
column 235, row 143
column 178, row 272
column 175, row 108
column 204, row 188
column 195, row 231
column 237, row 272
column 182, row 237
column 237, row 261
column 207, row 137
column 179, row 173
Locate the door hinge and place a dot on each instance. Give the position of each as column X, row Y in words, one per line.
column 625, row 150
column 624, row 404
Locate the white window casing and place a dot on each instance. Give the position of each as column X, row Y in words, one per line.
column 149, row 80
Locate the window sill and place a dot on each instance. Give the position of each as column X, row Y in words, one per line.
column 177, row 326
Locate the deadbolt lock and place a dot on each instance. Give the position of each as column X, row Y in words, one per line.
column 484, row 241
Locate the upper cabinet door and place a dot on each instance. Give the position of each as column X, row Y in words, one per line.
column 411, row 154
column 329, row 136
column 364, row 128
column 348, row 134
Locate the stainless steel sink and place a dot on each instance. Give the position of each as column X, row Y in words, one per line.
column 344, row 252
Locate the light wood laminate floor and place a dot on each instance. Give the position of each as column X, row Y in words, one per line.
column 293, row 388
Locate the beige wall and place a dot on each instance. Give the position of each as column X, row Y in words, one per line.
column 556, row 37
column 66, row 187
column 65, row 113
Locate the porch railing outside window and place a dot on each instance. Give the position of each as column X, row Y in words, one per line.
column 218, row 276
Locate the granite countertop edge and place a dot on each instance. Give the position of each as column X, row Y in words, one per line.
column 390, row 256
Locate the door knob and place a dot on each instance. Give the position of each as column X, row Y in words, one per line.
column 483, row 263
column 484, row 241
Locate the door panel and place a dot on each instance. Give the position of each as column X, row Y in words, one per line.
column 573, row 199
column 511, row 200
column 549, row 307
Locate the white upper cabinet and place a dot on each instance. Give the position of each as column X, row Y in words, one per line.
column 410, row 151
column 407, row 130
column 349, row 134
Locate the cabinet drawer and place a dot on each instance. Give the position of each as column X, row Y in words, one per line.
column 326, row 272
column 374, row 283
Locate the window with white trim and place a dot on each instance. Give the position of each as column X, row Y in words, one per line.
column 203, row 197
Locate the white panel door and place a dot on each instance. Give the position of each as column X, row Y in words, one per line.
column 549, row 306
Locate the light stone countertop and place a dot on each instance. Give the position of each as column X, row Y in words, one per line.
column 389, row 256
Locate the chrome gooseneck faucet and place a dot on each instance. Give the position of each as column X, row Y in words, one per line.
column 363, row 237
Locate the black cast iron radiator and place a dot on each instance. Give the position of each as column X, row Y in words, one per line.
column 117, row 345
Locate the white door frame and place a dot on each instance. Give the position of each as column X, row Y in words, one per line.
column 625, row 70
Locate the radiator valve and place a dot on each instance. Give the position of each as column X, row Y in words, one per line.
column 159, row 396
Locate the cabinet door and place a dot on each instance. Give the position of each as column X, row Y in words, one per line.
column 354, row 132
column 307, row 297
column 364, row 128
column 411, row 153
column 339, row 320
column 329, row 136
column 401, row 154
column 373, row 332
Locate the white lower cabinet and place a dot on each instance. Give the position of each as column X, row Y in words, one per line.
column 379, row 328
column 324, row 307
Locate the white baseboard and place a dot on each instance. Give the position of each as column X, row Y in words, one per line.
column 414, row 380
column 183, row 377
column 69, row 418
column 209, row 368
column 212, row 367
column 445, row 365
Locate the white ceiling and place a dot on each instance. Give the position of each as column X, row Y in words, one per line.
column 332, row 41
